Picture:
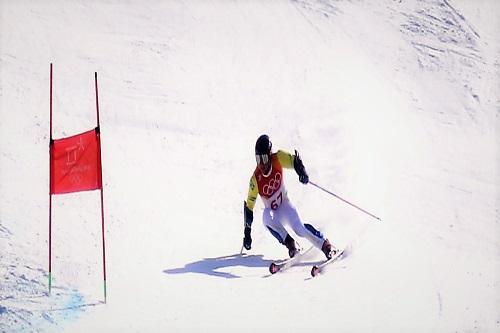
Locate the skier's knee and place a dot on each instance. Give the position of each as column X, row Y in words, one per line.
column 276, row 235
column 313, row 230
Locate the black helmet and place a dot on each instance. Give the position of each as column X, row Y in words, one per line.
column 263, row 145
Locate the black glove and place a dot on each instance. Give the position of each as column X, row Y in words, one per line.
column 247, row 240
column 300, row 169
column 248, row 216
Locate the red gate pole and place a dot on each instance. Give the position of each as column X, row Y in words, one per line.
column 50, row 186
column 102, row 188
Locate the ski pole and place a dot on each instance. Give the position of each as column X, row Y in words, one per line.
column 347, row 202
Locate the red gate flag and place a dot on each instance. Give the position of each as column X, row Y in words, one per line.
column 74, row 166
column 75, row 163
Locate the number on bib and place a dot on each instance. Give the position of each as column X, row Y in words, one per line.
column 277, row 202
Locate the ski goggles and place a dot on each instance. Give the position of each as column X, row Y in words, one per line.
column 262, row 159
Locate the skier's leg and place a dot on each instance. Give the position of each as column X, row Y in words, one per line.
column 274, row 226
column 302, row 230
column 308, row 231
column 328, row 249
column 273, row 223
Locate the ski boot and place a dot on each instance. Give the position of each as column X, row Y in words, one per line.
column 328, row 249
column 290, row 245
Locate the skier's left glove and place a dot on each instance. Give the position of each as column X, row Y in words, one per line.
column 300, row 169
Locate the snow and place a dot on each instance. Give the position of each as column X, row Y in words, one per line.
column 393, row 105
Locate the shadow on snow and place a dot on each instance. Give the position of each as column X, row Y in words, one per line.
column 209, row 266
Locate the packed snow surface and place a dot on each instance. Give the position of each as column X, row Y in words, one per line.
column 393, row 105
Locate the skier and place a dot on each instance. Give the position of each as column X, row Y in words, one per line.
column 268, row 181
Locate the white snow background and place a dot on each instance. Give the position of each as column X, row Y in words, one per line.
column 393, row 105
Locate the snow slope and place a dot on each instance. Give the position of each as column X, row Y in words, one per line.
column 392, row 104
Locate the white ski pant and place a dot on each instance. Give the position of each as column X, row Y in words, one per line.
column 286, row 214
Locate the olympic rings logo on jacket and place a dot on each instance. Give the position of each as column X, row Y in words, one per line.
column 274, row 184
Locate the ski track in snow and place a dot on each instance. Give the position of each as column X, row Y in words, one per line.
column 394, row 104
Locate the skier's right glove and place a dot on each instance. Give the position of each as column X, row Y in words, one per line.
column 247, row 240
column 248, row 216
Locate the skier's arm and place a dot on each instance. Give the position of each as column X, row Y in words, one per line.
column 289, row 161
column 248, row 212
column 286, row 159
column 253, row 191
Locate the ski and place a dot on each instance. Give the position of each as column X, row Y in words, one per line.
column 316, row 269
column 276, row 267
